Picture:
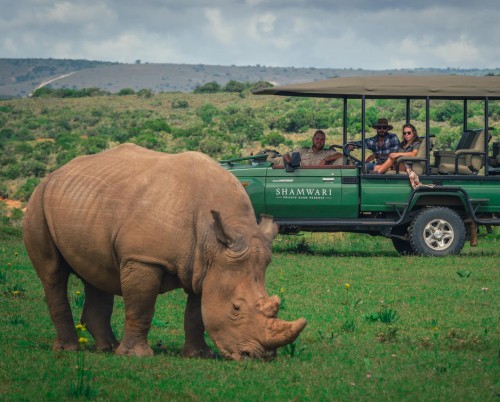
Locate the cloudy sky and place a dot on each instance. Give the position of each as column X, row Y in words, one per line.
column 367, row 34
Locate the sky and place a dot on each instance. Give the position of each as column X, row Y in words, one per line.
column 366, row 34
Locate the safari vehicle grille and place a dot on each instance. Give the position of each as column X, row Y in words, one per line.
column 349, row 180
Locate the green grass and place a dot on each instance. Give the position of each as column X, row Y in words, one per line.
column 443, row 344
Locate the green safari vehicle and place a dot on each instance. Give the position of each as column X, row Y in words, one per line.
column 455, row 193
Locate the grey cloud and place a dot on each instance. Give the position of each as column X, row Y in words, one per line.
column 312, row 33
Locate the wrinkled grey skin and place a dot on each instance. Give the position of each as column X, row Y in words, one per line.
column 137, row 223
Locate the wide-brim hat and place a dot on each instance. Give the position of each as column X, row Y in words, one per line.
column 383, row 122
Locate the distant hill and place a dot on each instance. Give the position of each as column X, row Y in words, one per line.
column 20, row 77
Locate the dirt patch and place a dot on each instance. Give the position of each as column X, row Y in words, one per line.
column 12, row 204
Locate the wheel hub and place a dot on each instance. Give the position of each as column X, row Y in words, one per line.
column 439, row 234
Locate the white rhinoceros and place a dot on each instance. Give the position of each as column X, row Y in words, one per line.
column 136, row 223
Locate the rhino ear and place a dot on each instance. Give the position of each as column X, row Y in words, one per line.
column 231, row 241
column 268, row 227
column 219, row 229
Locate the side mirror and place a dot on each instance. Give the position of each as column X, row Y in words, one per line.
column 294, row 162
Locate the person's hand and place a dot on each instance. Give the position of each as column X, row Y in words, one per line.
column 323, row 162
column 350, row 147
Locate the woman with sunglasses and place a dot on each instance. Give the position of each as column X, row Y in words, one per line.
column 408, row 147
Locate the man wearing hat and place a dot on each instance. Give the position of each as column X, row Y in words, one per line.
column 381, row 144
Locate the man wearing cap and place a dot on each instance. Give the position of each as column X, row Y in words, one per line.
column 316, row 154
column 382, row 144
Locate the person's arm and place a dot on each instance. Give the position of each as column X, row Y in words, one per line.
column 330, row 158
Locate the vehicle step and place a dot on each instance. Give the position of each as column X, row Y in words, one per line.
column 397, row 204
column 479, row 200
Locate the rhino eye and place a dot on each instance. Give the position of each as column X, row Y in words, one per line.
column 236, row 307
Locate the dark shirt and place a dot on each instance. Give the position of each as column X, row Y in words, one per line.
column 391, row 144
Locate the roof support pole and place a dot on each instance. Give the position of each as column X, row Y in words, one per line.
column 487, row 135
column 427, row 135
column 465, row 114
column 344, row 120
column 408, row 112
column 363, row 131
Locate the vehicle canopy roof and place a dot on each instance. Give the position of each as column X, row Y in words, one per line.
column 400, row 86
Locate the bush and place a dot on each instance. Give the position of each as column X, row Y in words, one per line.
column 180, row 104
column 157, row 125
column 207, row 112
column 145, row 93
column 211, row 146
column 24, row 192
column 274, row 139
column 208, row 88
column 126, row 91
column 234, row 86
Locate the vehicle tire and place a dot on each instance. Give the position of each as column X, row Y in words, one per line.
column 403, row 247
column 437, row 231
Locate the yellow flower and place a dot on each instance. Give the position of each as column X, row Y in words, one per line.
column 78, row 293
column 80, row 327
column 16, row 253
column 16, row 292
column 82, row 340
column 282, row 290
column 347, row 286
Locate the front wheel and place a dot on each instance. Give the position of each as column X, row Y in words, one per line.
column 437, row 231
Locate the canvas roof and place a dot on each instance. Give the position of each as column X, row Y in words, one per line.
column 399, row 86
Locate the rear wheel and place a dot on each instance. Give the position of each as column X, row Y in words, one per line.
column 402, row 246
column 437, row 231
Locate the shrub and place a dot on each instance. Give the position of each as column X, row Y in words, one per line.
column 180, row 104
column 208, row 88
column 234, row 86
column 145, row 93
column 207, row 112
column 32, row 167
column 274, row 139
column 211, row 146
column 126, row 91
column 24, row 192
column 157, row 125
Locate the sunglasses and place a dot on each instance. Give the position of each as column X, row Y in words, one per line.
column 382, row 127
column 407, row 132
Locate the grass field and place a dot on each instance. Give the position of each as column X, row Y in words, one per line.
column 380, row 327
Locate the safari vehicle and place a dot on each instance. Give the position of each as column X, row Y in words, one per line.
column 459, row 190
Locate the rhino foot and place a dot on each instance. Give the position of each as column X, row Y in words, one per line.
column 201, row 352
column 65, row 347
column 139, row 350
column 106, row 346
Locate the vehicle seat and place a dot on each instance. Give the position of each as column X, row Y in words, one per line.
column 465, row 160
column 417, row 162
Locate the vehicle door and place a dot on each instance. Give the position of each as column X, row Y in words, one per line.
column 311, row 192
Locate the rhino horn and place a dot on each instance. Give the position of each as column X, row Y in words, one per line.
column 268, row 227
column 280, row 333
column 269, row 306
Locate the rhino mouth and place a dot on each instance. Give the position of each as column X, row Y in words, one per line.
column 261, row 354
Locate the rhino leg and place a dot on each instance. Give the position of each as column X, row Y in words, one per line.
column 96, row 317
column 195, row 345
column 56, row 295
column 53, row 272
column 140, row 286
